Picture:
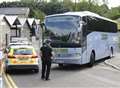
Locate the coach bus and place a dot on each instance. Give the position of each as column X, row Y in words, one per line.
column 80, row 37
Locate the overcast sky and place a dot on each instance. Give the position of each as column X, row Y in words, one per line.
column 112, row 3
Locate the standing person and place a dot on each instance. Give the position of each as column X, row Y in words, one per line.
column 46, row 54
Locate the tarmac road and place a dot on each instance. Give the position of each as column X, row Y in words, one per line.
column 99, row 76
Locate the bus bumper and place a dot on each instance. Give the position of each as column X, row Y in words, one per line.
column 67, row 61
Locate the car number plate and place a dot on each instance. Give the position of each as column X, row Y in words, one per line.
column 23, row 59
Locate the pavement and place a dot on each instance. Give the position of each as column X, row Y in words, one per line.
column 114, row 62
column 1, row 82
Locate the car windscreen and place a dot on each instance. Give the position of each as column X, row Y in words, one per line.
column 23, row 51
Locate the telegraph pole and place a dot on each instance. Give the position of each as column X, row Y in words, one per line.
column 75, row 5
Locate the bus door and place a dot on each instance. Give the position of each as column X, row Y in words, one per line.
column 84, row 40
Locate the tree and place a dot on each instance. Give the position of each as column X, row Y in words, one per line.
column 40, row 8
column 68, row 4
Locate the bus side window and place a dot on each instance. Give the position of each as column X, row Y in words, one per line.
column 84, row 28
column 84, row 31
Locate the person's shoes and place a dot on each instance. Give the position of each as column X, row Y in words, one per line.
column 42, row 78
column 47, row 79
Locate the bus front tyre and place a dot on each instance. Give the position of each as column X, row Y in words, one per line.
column 60, row 65
column 111, row 52
column 92, row 59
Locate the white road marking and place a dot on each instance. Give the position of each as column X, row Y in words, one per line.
column 1, row 82
column 109, row 68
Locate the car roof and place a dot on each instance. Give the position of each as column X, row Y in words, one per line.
column 22, row 46
column 18, row 44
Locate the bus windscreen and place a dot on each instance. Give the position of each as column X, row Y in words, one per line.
column 63, row 31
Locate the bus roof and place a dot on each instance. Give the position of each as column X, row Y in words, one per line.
column 81, row 14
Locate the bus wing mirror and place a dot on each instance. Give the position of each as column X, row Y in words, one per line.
column 43, row 25
column 83, row 23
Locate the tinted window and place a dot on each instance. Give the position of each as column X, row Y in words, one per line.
column 23, row 51
column 63, row 30
column 97, row 24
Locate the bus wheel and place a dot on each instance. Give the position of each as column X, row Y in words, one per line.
column 92, row 59
column 60, row 65
column 36, row 70
column 111, row 52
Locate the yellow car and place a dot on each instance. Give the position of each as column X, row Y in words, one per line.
column 22, row 57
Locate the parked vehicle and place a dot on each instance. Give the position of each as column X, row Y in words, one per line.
column 22, row 57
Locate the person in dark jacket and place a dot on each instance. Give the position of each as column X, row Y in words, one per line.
column 46, row 54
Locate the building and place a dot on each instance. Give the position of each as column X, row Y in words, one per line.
column 38, row 29
column 32, row 25
column 15, row 11
column 14, row 25
column 4, row 32
column 25, row 29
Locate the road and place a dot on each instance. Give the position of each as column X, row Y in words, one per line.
column 73, row 76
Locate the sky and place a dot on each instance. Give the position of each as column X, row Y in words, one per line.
column 114, row 3
column 111, row 3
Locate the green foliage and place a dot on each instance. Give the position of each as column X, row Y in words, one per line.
column 114, row 13
column 36, row 13
column 40, row 8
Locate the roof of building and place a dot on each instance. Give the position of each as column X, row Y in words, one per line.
column 37, row 21
column 1, row 17
column 11, row 21
column 22, row 21
column 30, row 22
column 15, row 11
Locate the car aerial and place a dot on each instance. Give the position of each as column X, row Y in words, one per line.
column 22, row 57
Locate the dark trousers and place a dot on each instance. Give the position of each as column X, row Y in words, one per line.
column 46, row 66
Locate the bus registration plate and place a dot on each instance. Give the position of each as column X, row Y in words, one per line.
column 60, row 50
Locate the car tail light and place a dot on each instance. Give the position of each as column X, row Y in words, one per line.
column 34, row 56
column 11, row 56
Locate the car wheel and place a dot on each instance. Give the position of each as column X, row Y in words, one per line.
column 60, row 65
column 7, row 70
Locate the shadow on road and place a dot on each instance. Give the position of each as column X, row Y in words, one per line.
column 70, row 67
column 21, row 72
column 73, row 67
